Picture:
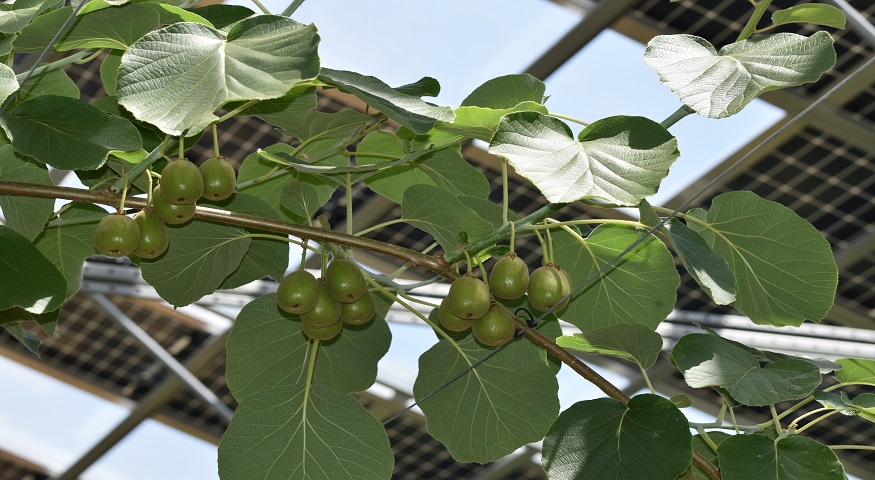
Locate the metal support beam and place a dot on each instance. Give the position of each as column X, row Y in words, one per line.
column 502, row 469
column 155, row 399
column 161, row 354
column 860, row 245
column 858, row 22
column 598, row 19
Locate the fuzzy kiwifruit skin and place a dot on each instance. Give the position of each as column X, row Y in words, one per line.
column 344, row 281
column 116, row 235
column 360, row 311
column 322, row 333
column 181, row 182
column 509, row 278
column 171, row 213
column 495, row 328
column 547, row 286
column 468, row 297
column 450, row 321
column 298, row 292
column 325, row 312
column 154, row 238
column 220, row 179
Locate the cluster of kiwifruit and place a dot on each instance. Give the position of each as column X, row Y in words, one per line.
column 173, row 203
column 470, row 303
column 325, row 304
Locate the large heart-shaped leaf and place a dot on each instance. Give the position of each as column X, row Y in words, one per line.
column 26, row 215
column 784, row 269
column 445, row 168
column 706, row 267
column 107, row 28
column 200, row 256
column 647, row 440
column 856, row 370
column 176, row 77
column 267, row 349
column 8, row 82
column 635, row 343
column 305, row 431
column 710, row 361
column 265, row 256
column 67, row 246
column 68, row 133
column 506, row 91
column 14, row 16
column 757, row 456
column 437, row 211
column 719, row 84
column 27, row 278
column 506, row 402
column 408, row 110
column 620, row 159
column 640, row 289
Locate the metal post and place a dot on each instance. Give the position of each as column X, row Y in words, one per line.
column 152, row 401
column 161, row 354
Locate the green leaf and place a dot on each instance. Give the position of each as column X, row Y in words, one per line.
column 640, row 289
column 49, row 82
column 25, row 337
column 27, row 278
column 815, row 13
column 647, row 440
column 222, row 16
column 304, row 432
column 444, row 168
column 756, row 456
column 548, row 326
column 109, row 71
column 681, row 400
column 784, row 268
column 265, row 257
column 864, row 406
column 170, row 14
column 424, row 87
column 437, row 211
column 116, row 27
column 620, row 159
column 833, row 400
column 67, row 246
column 8, row 82
column 289, row 111
column 856, row 370
column 482, row 123
column 67, row 133
column 506, row 92
column 324, row 130
column 14, row 17
column 48, row 320
column 200, row 256
column 635, row 343
column 707, row 360
column 707, row 268
column 25, row 215
column 410, row 111
column 176, row 77
column 255, row 167
column 506, row 402
column 268, row 350
column 300, row 198
column 699, row 445
column 719, row 84
column 487, row 209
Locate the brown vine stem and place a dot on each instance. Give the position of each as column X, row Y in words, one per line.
column 436, row 264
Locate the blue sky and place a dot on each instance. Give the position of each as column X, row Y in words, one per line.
column 462, row 44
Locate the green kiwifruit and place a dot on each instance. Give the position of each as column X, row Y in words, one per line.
column 344, row 281
column 154, row 239
column 322, row 333
column 547, row 286
column 509, row 278
column 116, row 235
column 181, row 182
column 360, row 311
column 325, row 311
column 219, row 178
column 468, row 297
column 450, row 321
column 297, row 292
column 171, row 213
column 495, row 328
